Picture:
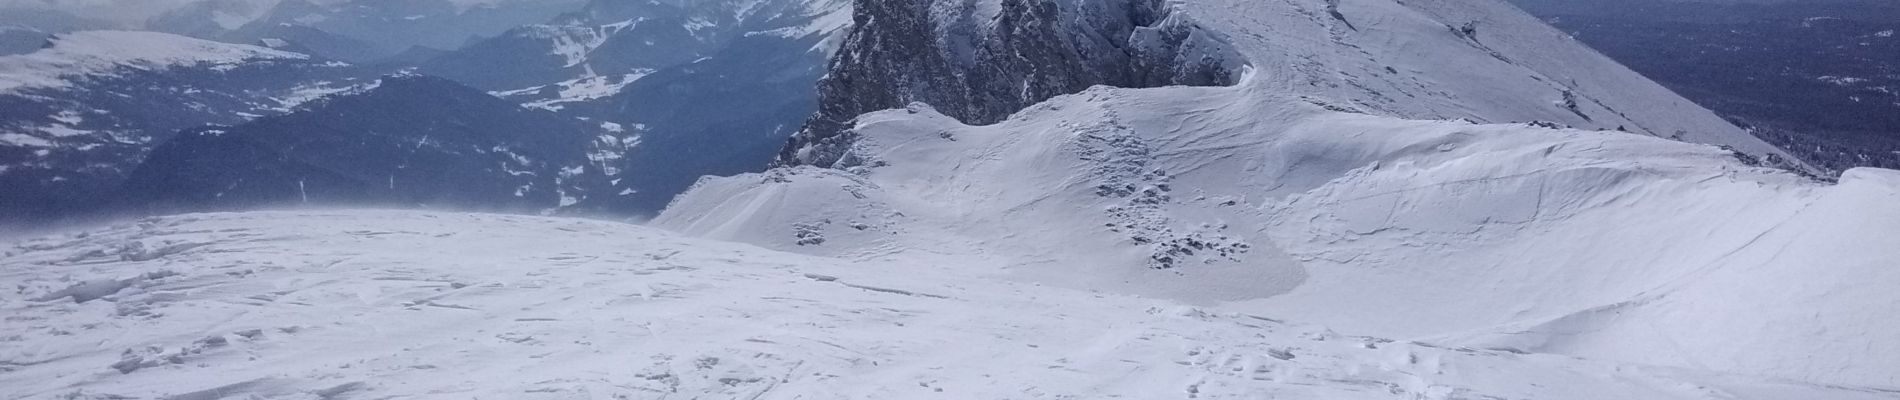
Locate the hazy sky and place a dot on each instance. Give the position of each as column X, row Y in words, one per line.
column 137, row 11
column 112, row 10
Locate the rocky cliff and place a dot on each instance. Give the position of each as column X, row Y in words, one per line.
column 981, row 61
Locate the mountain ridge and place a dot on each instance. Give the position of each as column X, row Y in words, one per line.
column 1449, row 171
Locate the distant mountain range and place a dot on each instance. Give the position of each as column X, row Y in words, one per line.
column 77, row 117
column 671, row 74
column 1819, row 78
column 406, row 141
column 648, row 87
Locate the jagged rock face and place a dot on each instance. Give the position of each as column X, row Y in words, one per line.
column 411, row 141
column 981, row 68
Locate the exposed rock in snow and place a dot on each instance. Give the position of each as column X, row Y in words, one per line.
column 980, row 62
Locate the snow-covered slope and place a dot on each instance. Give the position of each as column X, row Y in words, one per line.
column 1482, row 60
column 391, row 304
column 1325, row 187
column 1593, row 244
column 94, row 54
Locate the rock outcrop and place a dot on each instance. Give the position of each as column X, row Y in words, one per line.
column 982, row 61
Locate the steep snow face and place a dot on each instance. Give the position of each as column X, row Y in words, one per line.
column 1434, row 59
column 391, row 304
column 1324, row 186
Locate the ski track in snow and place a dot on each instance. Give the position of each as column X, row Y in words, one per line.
column 407, row 304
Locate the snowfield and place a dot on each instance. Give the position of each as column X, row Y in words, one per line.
column 409, row 304
column 1592, row 244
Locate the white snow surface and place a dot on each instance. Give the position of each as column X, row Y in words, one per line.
column 1326, row 190
column 432, row 305
column 1514, row 68
column 98, row 53
column 1328, row 231
column 1602, row 245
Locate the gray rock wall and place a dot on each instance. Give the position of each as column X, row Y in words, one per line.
column 980, row 61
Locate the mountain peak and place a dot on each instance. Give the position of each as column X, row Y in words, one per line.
column 1484, row 61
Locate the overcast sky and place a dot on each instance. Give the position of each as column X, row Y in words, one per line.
column 112, row 10
column 137, row 11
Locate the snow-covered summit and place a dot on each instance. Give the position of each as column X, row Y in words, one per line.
column 91, row 53
column 1480, row 60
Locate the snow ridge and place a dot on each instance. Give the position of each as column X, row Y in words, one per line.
column 1449, row 171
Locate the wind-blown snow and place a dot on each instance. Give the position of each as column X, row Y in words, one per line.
column 96, row 53
column 398, row 304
